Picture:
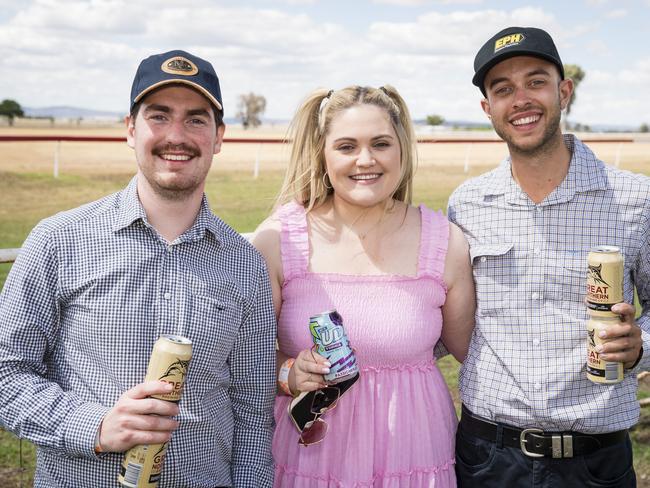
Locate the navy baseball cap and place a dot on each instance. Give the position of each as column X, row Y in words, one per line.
column 514, row 41
column 176, row 67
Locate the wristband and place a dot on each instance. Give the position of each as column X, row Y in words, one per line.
column 98, row 447
column 283, row 376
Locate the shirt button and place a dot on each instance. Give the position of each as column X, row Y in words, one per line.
column 483, row 259
column 539, row 209
column 537, row 250
column 537, row 386
column 167, row 295
column 535, row 295
column 535, row 342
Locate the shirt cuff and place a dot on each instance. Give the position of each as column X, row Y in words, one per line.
column 81, row 429
column 644, row 362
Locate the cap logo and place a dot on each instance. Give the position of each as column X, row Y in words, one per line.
column 507, row 41
column 179, row 65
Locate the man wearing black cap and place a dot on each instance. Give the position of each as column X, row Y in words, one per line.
column 94, row 287
column 530, row 415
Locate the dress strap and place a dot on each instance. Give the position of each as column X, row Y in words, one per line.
column 433, row 243
column 294, row 241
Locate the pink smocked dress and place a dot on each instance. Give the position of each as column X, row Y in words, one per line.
column 395, row 427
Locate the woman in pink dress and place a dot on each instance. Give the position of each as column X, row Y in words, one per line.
column 346, row 237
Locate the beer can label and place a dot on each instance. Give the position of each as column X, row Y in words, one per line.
column 142, row 466
column 604, row 278
column 331, row 342
column 598, row 370
column 170, row 360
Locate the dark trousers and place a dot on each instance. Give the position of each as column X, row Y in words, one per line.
column 485, row 464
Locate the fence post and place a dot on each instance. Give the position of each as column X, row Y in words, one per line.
column 256, row 169
column 468, row 150
column 57, row 150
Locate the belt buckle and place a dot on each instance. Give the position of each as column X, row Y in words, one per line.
column 523, row 441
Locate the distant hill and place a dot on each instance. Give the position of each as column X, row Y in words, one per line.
column 64, row 112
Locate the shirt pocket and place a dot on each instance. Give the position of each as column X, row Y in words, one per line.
column 496, row 276
column 214, row 322
column 569, row 277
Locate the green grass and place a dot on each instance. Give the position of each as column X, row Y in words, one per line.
column 242, row 202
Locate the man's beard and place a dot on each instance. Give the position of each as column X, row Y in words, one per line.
column 545, row 145
column 177, row 189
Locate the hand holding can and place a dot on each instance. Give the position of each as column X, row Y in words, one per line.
column 169, row 362
column 331, row 342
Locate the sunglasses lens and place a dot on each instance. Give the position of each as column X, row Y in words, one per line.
column 324, row 400
column 314, row 433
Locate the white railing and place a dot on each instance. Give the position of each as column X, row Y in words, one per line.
column 8, row 255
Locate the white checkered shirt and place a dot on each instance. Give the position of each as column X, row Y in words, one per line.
column 526, row 362
column 90, row 293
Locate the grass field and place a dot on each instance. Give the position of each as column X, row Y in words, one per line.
column 28, row 193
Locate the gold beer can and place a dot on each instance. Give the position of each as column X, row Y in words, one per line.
column 600, row 371
column 170, row 359
column 604, row 278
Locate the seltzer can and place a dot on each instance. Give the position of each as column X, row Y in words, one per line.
column 600, row 371
column 331, row 342
column 604, row 278
column 170, row 359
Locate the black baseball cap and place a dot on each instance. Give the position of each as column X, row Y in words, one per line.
column 514, row 41
column 176, row 67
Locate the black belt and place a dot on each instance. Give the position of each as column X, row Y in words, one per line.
column 537, row 443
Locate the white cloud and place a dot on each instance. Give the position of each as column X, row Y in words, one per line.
column 614, row 97
column 616, row 14
column 403, row 3
column 595, row 3
column 459, row 2
column 84, row 53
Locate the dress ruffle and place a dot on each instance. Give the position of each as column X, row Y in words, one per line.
column 394, row 428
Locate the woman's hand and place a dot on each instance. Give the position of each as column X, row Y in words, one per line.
column 307, row 372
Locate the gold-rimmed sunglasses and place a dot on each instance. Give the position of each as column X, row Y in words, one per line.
column 323, row 401
column 307, row 408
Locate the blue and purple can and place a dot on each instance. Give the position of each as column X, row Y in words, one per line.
column 331, row 342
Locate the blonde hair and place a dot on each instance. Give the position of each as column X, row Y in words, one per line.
column 304, row 179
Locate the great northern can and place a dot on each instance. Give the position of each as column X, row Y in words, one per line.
column 604, row 278
column 170, row 359
column 331, row 342
column 600, row 371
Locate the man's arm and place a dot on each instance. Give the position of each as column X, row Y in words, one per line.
column 629, row 342
column 641, row 276
column 252, row 391
column 31, row 405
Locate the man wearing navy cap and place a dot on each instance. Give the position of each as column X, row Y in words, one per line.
column 94, row 287
column 530, row 416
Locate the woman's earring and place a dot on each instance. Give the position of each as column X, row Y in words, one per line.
column 325, row 177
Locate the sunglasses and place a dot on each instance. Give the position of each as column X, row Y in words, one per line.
column 306, row 409
column 315, row 430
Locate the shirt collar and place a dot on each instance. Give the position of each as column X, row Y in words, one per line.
column 130, row 210
column 586, row 173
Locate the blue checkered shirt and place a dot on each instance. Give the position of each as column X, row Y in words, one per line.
column 90, row 293
column 526, row 362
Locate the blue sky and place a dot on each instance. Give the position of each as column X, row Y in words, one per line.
column 84, row 53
